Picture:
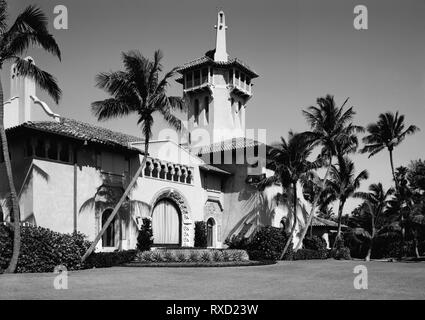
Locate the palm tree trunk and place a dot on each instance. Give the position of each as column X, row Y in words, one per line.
column 314, row 205
column 369, row 251
column 291, row 235
column 403, row 232
column 392, row 169
column 373, row 233
column 119, row 204
column 15, row 206
column 340, row 209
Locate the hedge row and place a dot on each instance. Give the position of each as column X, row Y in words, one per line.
column 208, row 255
column 43, row 249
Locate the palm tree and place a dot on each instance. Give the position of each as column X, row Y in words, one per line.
column 332, row 129
column 375, row 205
column 342, row 185
column 139, row 90
column 387, row 133
column 29, row 29
column 289, row 160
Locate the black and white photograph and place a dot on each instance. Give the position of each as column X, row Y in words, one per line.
column 212, row 155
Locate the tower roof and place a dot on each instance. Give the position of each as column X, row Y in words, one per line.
column 218, row 56
column 208, row 61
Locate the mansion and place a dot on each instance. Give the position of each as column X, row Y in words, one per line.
column 69, row 175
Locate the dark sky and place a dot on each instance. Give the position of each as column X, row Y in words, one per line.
column 301, row 49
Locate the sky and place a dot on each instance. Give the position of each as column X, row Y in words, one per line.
column 301, row 50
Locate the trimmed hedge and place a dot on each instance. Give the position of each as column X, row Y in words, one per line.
column 200, row 234
column 109, row 259
column 145, row 236
column 187, row 255
column 42, row 249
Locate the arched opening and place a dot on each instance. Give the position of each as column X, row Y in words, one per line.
column 196, row 112
column 207, row 110
column 166, row 223
column 210, row 232
column 108, row 238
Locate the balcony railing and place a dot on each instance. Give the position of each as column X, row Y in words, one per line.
column 165, row 170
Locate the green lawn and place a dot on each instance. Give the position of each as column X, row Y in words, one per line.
column 328, row 279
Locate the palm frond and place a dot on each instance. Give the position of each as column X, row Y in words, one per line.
column 42, row 78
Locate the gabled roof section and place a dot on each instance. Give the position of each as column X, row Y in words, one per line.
column 81, row 131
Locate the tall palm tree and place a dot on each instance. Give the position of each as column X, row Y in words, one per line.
column 289, row 160
column 342, row 184
column 331, row 128
column 29, row 29
column 387, row 133
column 375, row 205
column 138, row 89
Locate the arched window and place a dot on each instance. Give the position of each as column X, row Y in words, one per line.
column 210, row 232
column 196, row 112
column 166, row 223
column 207, row 109
column 108, row 238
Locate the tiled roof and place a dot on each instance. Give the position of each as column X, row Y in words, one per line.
column 82, row 131
column 208, row 167
column 205, row 60
column 226, row 145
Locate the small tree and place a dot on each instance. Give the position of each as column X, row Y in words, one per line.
column 145, row 237
column 200, row 234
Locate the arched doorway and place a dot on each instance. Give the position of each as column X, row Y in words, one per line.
column 166, row 223
column 108, row 238
column 210, row 232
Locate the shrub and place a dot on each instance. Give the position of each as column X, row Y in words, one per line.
column 236, row 242
column 169, row 256
column 109, row 259
column 267, row 244
column 200, row 234
column 181, row 257
column 309, row 254
column 193, row 256
column 157, row 256
column 315, row 244
column 226, row 256
column 145, row 237
column 145, row 256
column 206, row 256
column 340, row 254
column 43, row 249
column 217, row 256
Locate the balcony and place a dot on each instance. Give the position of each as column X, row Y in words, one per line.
column 168, row 171
column 241, row 88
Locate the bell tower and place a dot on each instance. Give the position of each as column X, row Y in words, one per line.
column 218, row 89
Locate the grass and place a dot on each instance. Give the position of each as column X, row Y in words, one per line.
column 314, row 279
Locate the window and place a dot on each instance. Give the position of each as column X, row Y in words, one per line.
column 52, row 152
column 196, row 112
column 28, row 148
column 40, row 150
column 204, row 75
column 189, row 79
column 197, row 78
column 64, row 153
column 210, row 232
column 166, row 223
column 108, row 238
column 207, row 109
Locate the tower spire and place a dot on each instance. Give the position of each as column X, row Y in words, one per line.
column 220, row 44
